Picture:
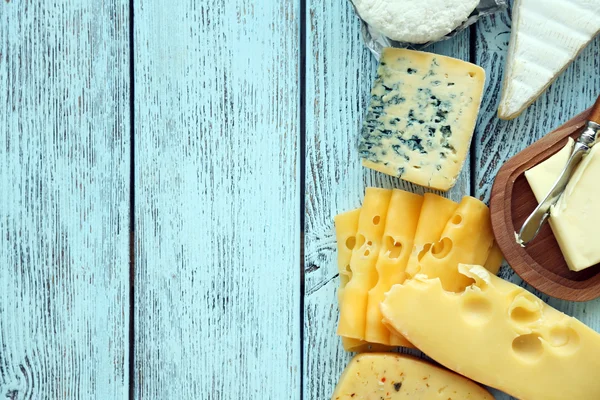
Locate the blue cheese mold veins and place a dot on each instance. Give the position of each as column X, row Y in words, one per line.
column 421, row 117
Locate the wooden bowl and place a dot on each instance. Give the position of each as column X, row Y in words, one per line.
column 540, row 264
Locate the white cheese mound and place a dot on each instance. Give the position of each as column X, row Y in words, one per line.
column 415, row 21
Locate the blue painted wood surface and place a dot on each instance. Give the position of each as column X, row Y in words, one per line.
column 219, row 239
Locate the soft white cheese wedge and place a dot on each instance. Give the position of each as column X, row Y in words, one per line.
column 546, row 37
column 575, row 219
column 415, row 21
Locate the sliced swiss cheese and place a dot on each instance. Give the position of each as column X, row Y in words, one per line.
column 400, row 226
column 466, row 238
column 435, row 214
column 546, row 37
column 421, row 117
column 371, row 225
column 576, row 217
column 392, row 376
column 499, row 334
column 346, row 226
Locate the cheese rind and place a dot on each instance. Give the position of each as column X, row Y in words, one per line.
column 421, row 117
column 499, row 334
column 371, row 224
column 534, row 62
column 400, row 226
column 393, row 377
column 576, row 217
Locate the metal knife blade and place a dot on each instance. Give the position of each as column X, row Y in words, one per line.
column 535, row 221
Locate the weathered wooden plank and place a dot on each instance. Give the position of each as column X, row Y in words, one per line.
column 339, row 71
column 497, row 140
column 64, row 199
column 217, row 223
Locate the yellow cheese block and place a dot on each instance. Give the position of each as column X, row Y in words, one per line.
column 467, row 238
column 391, row 376
column 371, row 224
column 499, row 334
column 576, row 217
column 436, row 211
column 346, row 225
column 400, row 226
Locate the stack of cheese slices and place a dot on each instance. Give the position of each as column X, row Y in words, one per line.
column 420, row 271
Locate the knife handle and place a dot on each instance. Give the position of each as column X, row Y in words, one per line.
column 595, row 113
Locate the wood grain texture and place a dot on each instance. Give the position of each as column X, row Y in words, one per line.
column 540, row 263
column 339, row 74
column 497, row 140
column 217, row 297
column 64, row 199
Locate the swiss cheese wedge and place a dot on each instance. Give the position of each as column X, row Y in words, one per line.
column 499, row 334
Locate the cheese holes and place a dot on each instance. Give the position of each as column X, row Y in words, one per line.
column 525, row 309
column 376, row 220
column 393, row 248
column 528, row 347
column 564, row 339
column 351, row 242
column 360, row 241
column 457, row 219
column 471, row 74
column 442, row 248
column 476, row 309
column 424, row 251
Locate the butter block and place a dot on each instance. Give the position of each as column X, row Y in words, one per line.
column 575, row 219
column 421, row 117
column 498, row 334
column 394, row 376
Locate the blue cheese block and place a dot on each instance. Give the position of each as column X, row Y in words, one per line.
column 421, row 117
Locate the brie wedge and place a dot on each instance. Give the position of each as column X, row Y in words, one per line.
column 546, row 37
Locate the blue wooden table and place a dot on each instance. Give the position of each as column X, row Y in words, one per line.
column 169, row 171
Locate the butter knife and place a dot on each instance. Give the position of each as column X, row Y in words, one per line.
column 587, row 138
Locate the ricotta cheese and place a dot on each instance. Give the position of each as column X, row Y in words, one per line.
column 415, row 21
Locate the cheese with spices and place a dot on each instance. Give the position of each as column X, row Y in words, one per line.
column 392, row 376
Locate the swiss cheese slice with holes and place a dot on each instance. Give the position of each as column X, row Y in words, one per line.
column 371, row 225
column 498, row 334
column 435, row 214
column 466, row 238
column 400, row 226
column 392, row 376
column 346, row 226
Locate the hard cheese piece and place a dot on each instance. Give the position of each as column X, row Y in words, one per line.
column 498, row 334
column 346, row 225
column 467, row 238
column 393, row 376
column 421, row 117
column 400, row 226
column 371, row 224
column 435, row 214
column 533, row 61
column 494, row 260
column 575, row 220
